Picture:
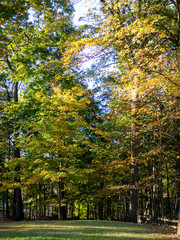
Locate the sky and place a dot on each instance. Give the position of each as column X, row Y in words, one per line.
column 82, row 7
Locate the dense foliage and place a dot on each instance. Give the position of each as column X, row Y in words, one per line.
column 111, row 152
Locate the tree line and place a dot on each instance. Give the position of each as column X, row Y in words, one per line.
column 109, row 152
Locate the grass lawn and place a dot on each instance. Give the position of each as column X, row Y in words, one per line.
column 76, row 230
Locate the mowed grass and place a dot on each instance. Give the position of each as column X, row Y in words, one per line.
column 76, row 230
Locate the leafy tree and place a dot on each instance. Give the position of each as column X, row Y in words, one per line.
column 116, row 158
column 29, row 47
column 144, row 37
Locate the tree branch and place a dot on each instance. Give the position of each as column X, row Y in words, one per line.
column 9, row 64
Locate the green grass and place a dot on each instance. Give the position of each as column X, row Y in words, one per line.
column 76, row 230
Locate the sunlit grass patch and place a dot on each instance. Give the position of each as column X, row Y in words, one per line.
column 76, row 230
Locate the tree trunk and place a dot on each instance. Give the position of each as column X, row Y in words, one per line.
column 154, row 192
column 3, row 203
column 100, row 209
column 18, row 203
column 44, row 200
column 161, row 176
column 72, row 211
column 62, row 209
column 133, row 200
column 40, row 200
column 178, row 192
column 19, row 215
column 109, row 208
column 141, row 208
column 178, row 229
column 168, row 194
column 95, row 211
column 7, row 203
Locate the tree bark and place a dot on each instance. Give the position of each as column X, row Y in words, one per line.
column 168, row 194
column 3, row 203
column 100, row 209
column 133, row 201
column 44, row 200
column 161, row 176
column 178, row 229
column 62, row 209
column 154, row 190
column 18, row 203
column 178, row 192
column 7, row 203
column 19, row 215
column 40, row 200
column 109, row 208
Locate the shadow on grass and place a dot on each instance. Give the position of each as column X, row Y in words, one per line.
column 75, row 230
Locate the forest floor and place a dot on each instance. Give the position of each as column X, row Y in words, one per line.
column 82, row 230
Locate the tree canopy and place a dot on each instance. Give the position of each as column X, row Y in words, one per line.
column 106, row 152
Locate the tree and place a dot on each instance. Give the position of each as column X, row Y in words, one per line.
column 108, row 153
column 23, row 53
column 144, row 37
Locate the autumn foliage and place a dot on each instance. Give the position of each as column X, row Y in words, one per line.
column 106, row 152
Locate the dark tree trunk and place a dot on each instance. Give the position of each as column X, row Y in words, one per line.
column 178, row 229
column 109, row 208
column 62, row 209
column 100, row 209
column 18, row 203
column 168, row 194
column 3, row 203
column 133, row 200
column 36, row 206
column 40, row 200
column 178, row 190
column 161, row 175
column 141, row 208
column 154, row 192
column 7, row 203
column 44, row 200
column 95, row 212
column 72, row 211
